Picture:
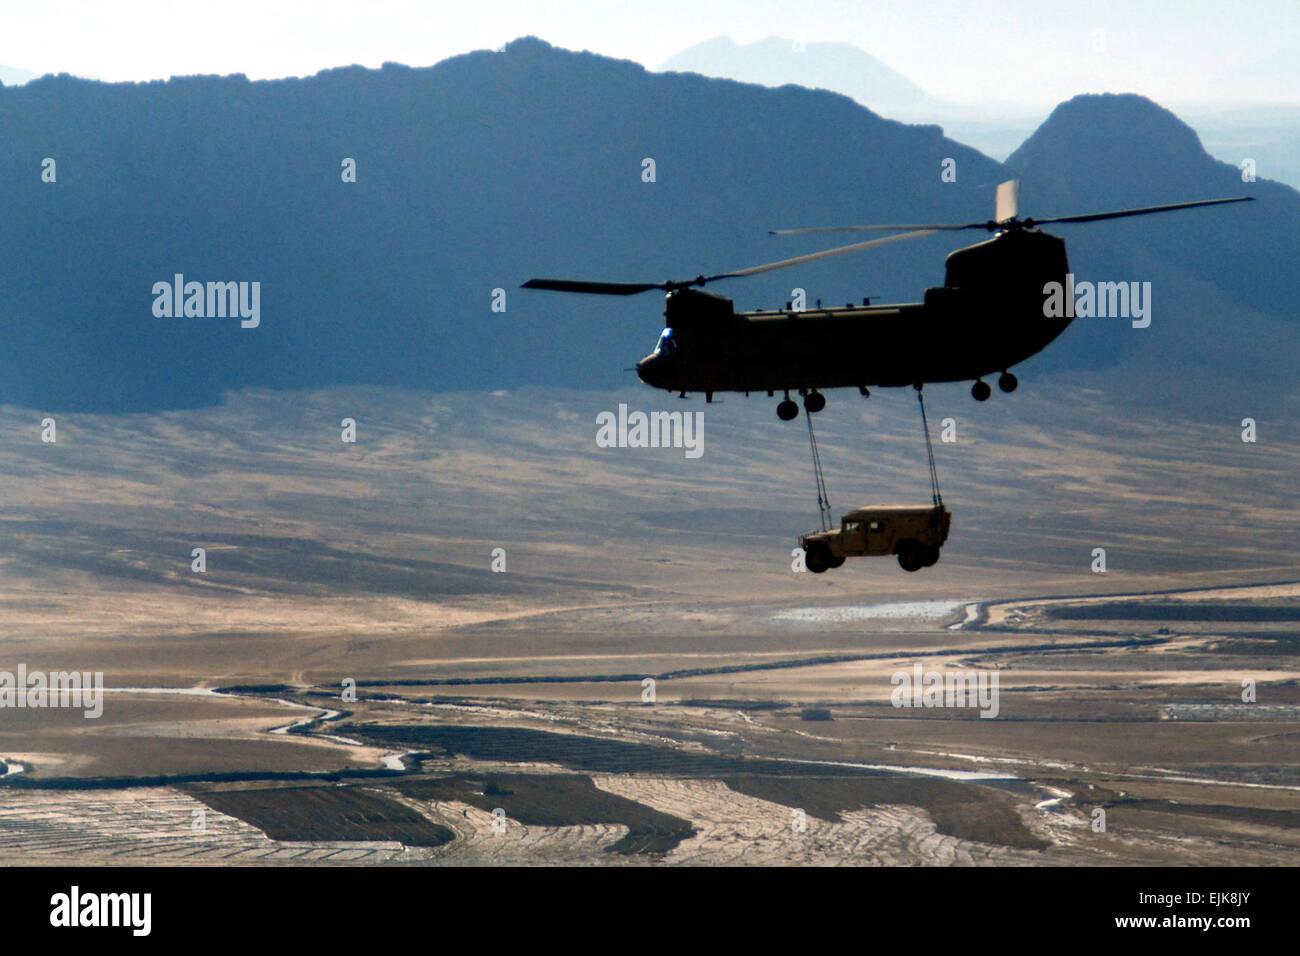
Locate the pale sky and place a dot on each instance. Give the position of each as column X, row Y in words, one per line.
column 1029, row 52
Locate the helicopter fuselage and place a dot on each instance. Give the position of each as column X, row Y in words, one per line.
column 987, row 317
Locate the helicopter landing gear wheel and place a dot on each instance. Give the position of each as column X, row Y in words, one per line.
column 787, row 410
column 1007, row 382
column 980, row 391
column 814, row 402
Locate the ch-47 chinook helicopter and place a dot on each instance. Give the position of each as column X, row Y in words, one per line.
column 989, row 315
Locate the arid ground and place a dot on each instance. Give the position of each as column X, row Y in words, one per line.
column 350, row 681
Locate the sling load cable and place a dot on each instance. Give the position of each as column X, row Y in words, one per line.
column 823, row 496
column 935, row 497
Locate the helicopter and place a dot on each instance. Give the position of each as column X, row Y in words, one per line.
column 988, row 316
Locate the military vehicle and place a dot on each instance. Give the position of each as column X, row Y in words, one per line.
column 913, row 533
column 988, row 316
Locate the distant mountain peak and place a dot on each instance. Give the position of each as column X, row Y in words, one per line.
column 528, row 44
column 1117, row 122
column 777, row 61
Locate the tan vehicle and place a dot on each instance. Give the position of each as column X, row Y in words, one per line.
column 913, row 533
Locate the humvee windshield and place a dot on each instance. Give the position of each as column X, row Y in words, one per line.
column 852, row 527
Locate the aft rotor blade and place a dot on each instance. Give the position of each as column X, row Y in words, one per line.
column 926, row 226
column 814, row 256
column 1008, row 201
column 594, row 288
column 994, row 225
column 1144, row 210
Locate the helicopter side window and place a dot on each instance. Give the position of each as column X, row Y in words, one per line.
column 667, row 342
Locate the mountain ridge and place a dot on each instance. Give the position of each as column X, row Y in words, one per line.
column 472, row 175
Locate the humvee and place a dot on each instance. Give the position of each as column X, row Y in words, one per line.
column 913, row 533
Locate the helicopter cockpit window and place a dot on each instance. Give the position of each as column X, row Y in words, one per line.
column 666, row 341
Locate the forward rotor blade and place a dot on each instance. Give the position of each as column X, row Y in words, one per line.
column 631, row 288
column 1144, row 210
column 593, row 288
column 814, row 256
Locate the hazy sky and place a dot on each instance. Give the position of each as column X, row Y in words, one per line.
column 1034, row 52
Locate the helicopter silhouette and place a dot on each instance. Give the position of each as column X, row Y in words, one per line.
column 988, row 316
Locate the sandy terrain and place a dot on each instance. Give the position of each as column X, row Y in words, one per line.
column 371, row 563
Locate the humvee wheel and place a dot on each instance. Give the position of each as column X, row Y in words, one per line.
column 910, row 556
column 835, row 561
column 929, row 557
column 787, row 410
column 817, row 559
